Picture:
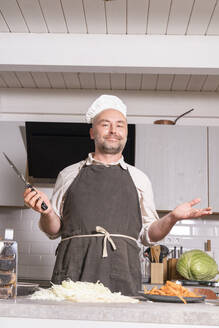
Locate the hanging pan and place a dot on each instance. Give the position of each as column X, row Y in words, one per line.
column 169, row 122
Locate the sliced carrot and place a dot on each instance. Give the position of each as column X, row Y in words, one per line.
column 171, row 289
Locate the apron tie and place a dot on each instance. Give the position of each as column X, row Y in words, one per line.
column 106, row 237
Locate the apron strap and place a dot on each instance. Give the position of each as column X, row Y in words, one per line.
column 102, row 233
column 106, row 237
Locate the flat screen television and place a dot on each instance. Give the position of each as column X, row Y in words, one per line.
column 53, row 146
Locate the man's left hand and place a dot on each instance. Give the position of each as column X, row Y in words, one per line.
column 187, row 211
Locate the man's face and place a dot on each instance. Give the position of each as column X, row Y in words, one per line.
column 109, row 132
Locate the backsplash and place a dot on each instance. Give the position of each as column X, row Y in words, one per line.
column 37, row 252
column 193, row 234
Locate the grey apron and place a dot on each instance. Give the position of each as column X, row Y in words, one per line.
column 107, row 197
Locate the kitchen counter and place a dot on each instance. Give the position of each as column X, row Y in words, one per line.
column 200, row 314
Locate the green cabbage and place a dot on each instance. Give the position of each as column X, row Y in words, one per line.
column 197, row 265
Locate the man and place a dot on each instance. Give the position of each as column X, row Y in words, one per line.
column 101, row 206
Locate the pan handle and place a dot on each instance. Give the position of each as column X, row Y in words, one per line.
column 183, row 115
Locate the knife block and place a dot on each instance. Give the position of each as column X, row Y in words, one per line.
column 172, row 273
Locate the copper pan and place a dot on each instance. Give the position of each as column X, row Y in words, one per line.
column 169, row 122
column 210, row 294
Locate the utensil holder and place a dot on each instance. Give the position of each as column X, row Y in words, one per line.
column 157, row 273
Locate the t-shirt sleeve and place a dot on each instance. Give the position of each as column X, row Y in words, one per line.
column 148, row 212
column 146, row 202
column 56, row 202
column 57, row 195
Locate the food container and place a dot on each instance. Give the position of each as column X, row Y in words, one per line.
column 8, row 266
column 26, row 288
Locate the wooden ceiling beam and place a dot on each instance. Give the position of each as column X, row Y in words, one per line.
column 59, row 105
column 152, row 54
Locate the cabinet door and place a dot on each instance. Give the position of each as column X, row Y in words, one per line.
column 175, row 160
column 12, row 142
column 213, row 168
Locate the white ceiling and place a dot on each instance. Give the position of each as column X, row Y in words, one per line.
column 141, row 17
column 109, row 81
column 187, row 17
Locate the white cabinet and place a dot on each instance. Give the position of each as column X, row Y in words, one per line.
column 175, row 160
column 213, row 138
column 12, row 142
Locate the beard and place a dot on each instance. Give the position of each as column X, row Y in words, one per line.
column 110, row 149
column 106, row 147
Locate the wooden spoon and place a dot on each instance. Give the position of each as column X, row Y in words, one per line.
column 155, row 253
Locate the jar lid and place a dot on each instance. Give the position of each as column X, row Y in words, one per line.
column 9, row 234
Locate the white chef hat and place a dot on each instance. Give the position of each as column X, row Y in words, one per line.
column 105, row 102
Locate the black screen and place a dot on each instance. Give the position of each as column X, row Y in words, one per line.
column 53, row 146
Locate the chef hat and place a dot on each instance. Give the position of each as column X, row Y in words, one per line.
column 105, row 102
